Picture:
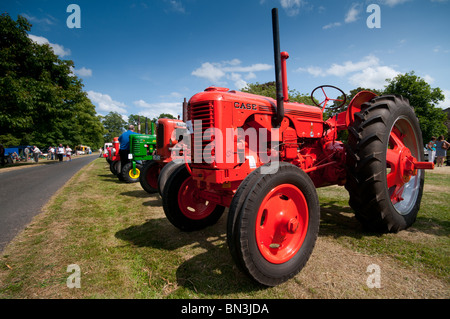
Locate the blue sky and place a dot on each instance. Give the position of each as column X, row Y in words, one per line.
column 144, row 56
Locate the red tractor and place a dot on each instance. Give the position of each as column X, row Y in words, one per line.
column 169, row 148
column 113, row 157
column 264, row 158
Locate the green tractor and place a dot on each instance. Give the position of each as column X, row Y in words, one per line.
column 142, row 149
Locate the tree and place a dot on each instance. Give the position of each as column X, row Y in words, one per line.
column 163, row 115
column 42, row 102
column 424, row 99
column 139, row 122
column 114, row 125
column 269, row 89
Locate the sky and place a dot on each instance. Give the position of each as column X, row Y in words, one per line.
column 144, row 57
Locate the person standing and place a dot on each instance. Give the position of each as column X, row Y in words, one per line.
column 26, row 151
column 52, row 153
column 441, row 150
column 36, row 152
column 431, row 147
column 69, row 153
column 124, row 149
column 60, row 152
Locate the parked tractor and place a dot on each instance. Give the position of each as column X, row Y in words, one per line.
column 113, row 157
column 169, row 146
column 264, row 158
column 142, row 150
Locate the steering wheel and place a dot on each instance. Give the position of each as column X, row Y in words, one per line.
column 327, row 99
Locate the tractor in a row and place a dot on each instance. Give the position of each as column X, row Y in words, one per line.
column 264, row 158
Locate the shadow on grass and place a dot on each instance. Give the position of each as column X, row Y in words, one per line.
column 211, row 272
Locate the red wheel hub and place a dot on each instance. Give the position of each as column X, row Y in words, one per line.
column 281, row 223
column 403, row 165
column 191, row 205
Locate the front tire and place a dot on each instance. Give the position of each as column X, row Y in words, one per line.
column 128, row 175
column 384, row 137
column 182, row 205
column 273, row 224
column 149, row 176
column 166, row 171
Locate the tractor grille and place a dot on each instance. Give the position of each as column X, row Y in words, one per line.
column 292, row 112
column 310, row 115
column 160, row 136
column 203, row 112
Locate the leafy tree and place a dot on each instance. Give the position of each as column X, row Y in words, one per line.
column 42, row 102
column 424, row 99
column 269, row 89
column 114, row 125
column 163, row 115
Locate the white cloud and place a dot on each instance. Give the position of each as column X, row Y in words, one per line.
column 83, row 72
column 429, row 79
column 332, row 25
column 392, row 3
column 49, row 20
column 365, row 73
column 57, row 49
column 152, row 110
column 106, row 104
column 210, row 71
column 446, row 103
column 352, row 14
column 176, row 6
column 373, row 77
column 292, row 7
column 349, row 66
column 219, row 72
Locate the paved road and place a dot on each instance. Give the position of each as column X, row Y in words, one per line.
column 23, row 193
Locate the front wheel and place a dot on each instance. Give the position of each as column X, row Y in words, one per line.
column 273, row 224
column 183, row 206
column 149, row 176
column 129, row 175
column 166, row 171
column 385, row 155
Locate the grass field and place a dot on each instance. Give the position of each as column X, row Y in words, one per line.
column 125, row 248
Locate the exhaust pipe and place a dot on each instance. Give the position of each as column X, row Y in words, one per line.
column 278, row 76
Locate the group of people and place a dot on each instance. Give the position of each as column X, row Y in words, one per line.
column 437, row 150
column 60, row 151
column 34, row 152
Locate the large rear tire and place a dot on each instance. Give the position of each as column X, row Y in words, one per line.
column 273, row 224
column 383, row 140
column 182, row 205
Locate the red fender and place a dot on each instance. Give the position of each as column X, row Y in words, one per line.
column 355, row 105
